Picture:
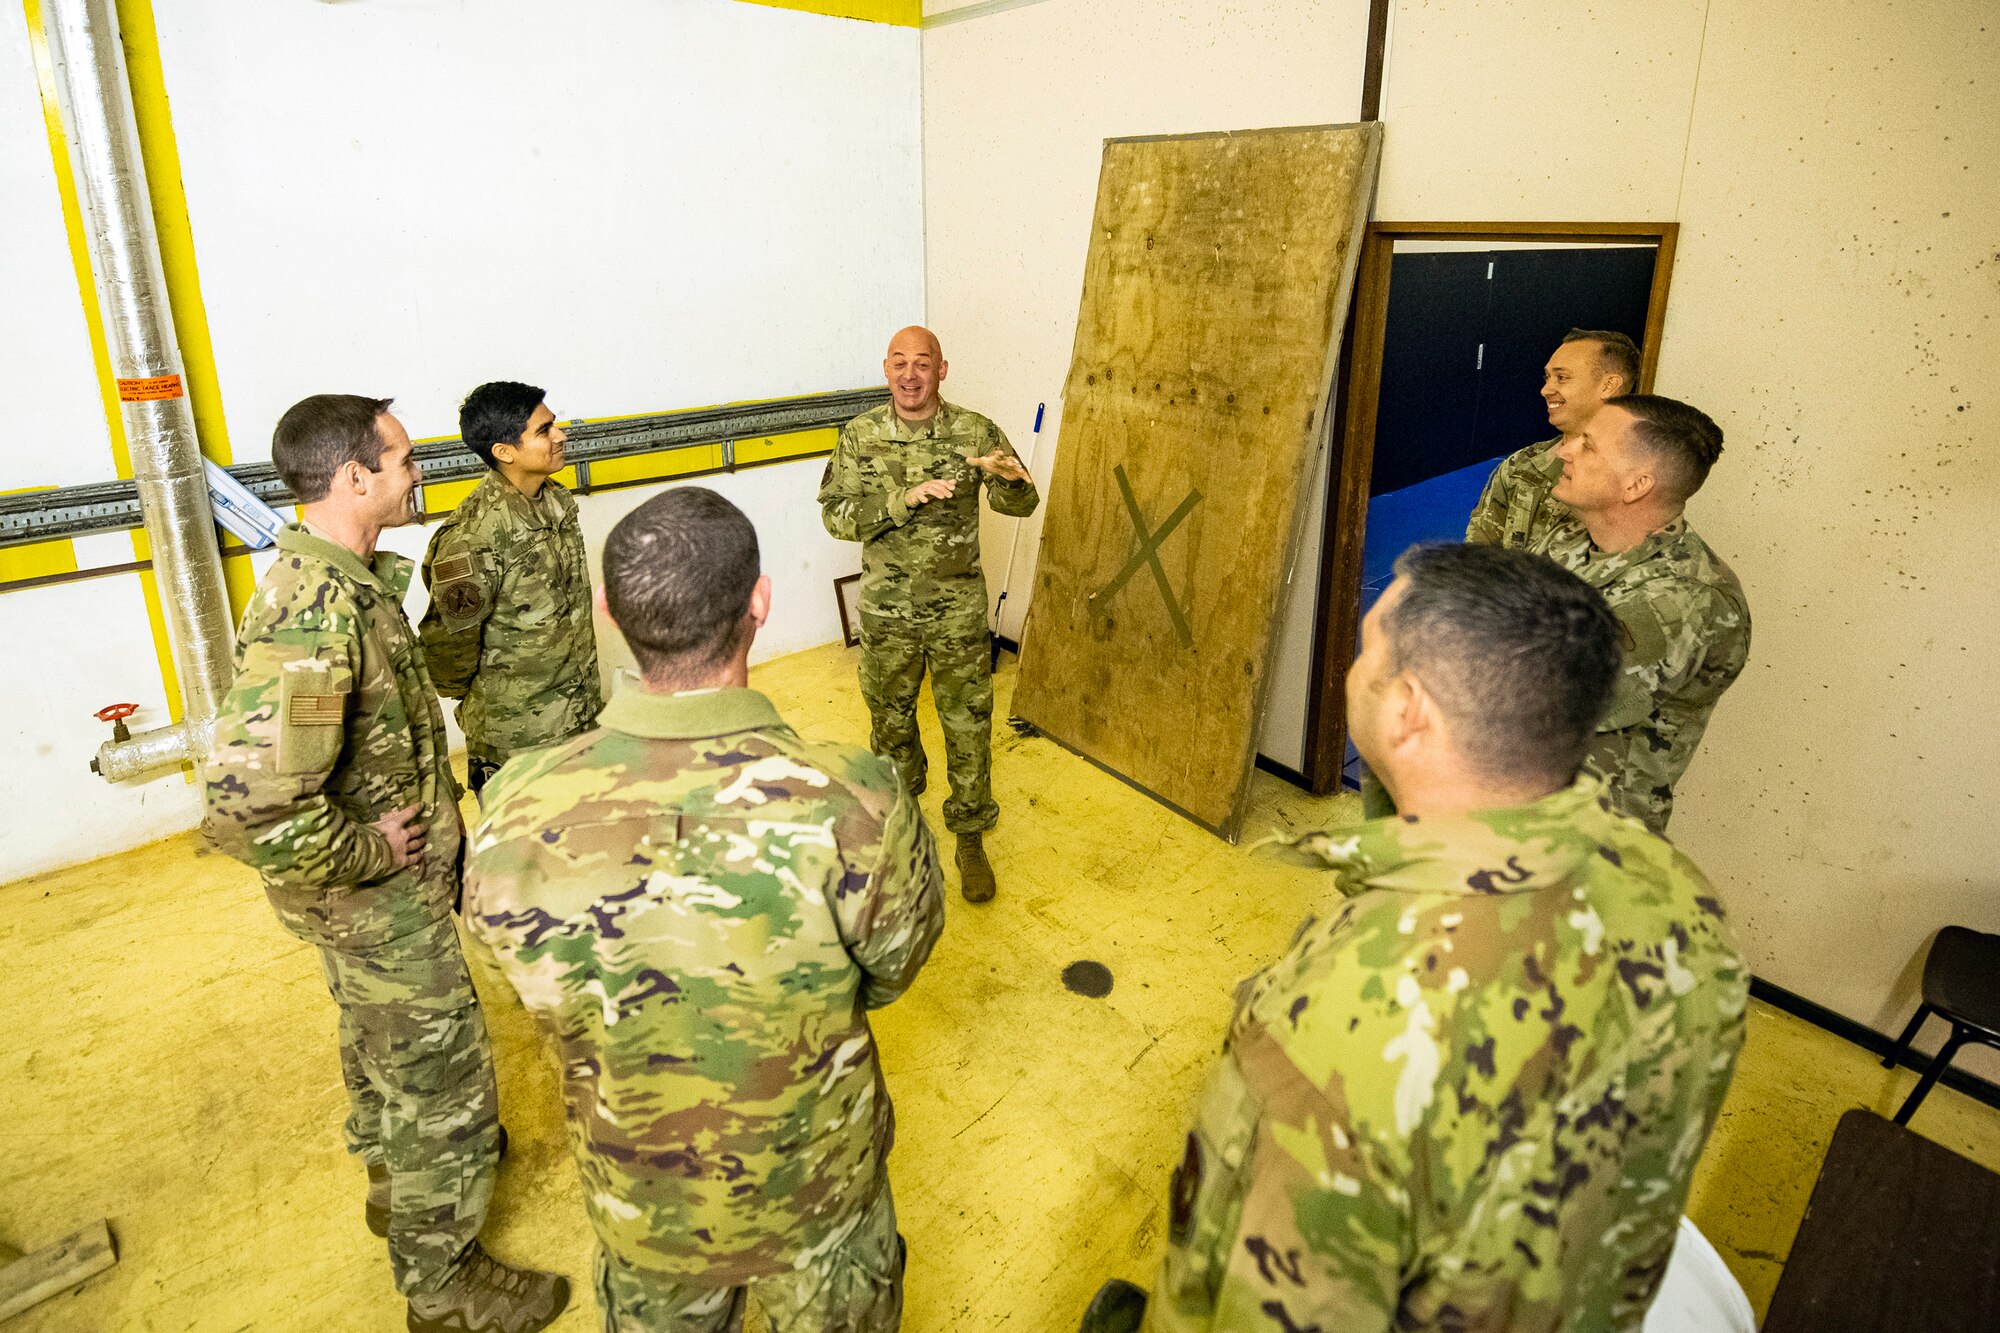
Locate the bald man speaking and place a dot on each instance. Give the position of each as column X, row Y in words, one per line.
column 904, row 481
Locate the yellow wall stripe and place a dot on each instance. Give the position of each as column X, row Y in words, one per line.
column 100, row 351
column 901, row 13
column 768, row 448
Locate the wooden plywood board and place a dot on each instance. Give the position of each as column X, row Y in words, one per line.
column 1216, row 287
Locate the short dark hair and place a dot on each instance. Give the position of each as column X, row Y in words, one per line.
column 1684, row 441
column 678, row 572
column 496, row 413
column 1616, row 353
column 1520, row 653
column 318, row 434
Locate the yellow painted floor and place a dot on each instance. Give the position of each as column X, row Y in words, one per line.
column 167, row 1062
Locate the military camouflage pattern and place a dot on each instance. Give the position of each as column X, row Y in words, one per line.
column 1472, row 1096
column 509, row 626
column 419, row 1073
column 701, row 906
column 855, row 1287
column 1687, row 632
column 923, row 593
column 1516, row 508
column 330, row 725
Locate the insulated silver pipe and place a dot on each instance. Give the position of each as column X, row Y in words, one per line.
column 96, row 100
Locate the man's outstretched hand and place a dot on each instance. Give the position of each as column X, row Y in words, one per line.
column 1001, row 464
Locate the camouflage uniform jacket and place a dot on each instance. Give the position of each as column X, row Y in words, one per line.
column 509, row 627
column 330, row 725
column 917, row 564
column 1516, row 508
column 701, row 907
column 1471, row 1097
column 1687, row 630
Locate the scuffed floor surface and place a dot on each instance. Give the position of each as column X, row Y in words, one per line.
column 167, row 1062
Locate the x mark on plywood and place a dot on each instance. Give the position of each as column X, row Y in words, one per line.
column 1149, row 553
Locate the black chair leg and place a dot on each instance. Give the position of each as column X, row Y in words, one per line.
column 1902, row 1046
column 1937, row 1066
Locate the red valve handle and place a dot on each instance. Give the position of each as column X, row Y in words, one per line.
column 115, row 712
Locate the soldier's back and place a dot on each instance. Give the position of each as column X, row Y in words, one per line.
column 668, row 906
column 1472, row 1097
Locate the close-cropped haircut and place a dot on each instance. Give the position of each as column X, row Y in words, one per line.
column 1617, row 354
column 1520, row 654
column 1683, row 441
column 496, row 413
column 678, row 572
column 318, row 434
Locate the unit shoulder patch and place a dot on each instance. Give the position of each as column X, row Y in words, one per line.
column 460, row 595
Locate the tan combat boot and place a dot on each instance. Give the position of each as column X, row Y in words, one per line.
column 376, row 1211
column 487, row 1296
column 975, row 872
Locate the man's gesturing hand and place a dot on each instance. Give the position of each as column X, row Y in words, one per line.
column 940, row 489
column 405, row 831
column 1001, row 464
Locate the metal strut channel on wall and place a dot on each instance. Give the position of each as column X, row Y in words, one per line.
column 113, row 506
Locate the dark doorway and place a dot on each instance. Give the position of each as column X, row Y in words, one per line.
column 1442, row 372
column 1462, row 357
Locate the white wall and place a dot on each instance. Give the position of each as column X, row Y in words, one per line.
column 1837, row 179
column 640, row 204
column 1838, row 186
column 1017, row 105
column 68, row 650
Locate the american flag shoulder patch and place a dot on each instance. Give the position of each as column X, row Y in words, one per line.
column 315, row 710
column 455, row 566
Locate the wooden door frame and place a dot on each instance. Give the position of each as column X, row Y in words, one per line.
column 1336, row 618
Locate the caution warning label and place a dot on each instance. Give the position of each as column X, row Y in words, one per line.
column 150, row 389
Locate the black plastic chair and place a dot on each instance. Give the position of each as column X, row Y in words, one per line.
column 1962, row 986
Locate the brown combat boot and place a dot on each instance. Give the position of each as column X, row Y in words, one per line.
column 376, row 1211
column 975, row 872
column 487, row 1296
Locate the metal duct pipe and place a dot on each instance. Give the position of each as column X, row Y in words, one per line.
column 96, row 100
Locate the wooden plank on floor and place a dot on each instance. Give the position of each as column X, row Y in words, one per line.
column 71, row 1261
column 1216, row 287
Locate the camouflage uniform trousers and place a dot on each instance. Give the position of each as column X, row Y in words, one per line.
column 420, row 1091
column 856, row 1287
column 957, row 650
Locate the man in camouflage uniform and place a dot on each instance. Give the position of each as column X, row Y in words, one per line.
column 1624, row 486
column 701, row 906
column 509, row 628
column 1589, row 367
column 904, row 481
column 329, row 777
column 1471, row 1096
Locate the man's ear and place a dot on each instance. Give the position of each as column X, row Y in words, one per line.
column 511, row 454
column 1638, row 485
column 944, row 368
column 1412, row 712
column 352, row 476
column 760, row 601
column 597, row 600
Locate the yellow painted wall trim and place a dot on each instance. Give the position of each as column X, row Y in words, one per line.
column 798, row 444
column 900, row 13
